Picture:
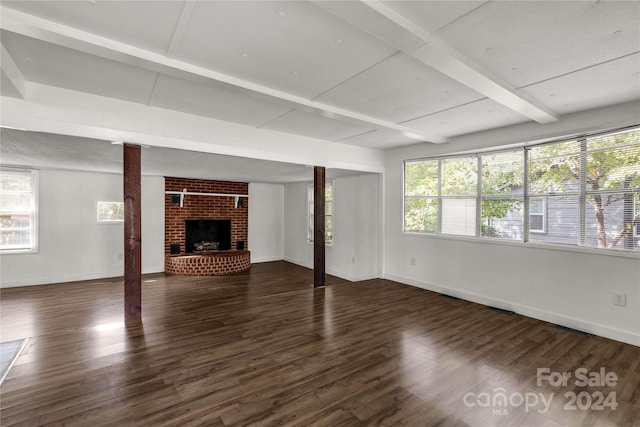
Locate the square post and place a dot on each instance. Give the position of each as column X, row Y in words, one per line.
column 132, row 234
column 319, row 182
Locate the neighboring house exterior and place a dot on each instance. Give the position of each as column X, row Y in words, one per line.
column 554, row 219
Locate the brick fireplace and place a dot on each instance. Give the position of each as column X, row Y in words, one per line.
column 181, row 260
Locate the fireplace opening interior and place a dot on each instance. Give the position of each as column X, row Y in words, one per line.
column 206, row 235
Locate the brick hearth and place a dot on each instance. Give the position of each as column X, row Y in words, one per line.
column 213, row 264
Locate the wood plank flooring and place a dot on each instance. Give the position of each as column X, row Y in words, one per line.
column 264, row 348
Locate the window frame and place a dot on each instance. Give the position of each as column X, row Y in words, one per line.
column 581, row 193
column 543, row 214
column 34, row 211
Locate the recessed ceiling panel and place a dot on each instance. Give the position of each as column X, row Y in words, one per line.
column 473, row 117
column 433, row 15
column 146, row 24
column 52, row 65
column 218, row 100
column 315, row 125
column 606, row 84
column 529, row 41
column 293, row 46
column 381, row 139
column 399, row 89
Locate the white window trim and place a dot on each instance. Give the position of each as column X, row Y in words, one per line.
column 35, row 224
column 530, row 245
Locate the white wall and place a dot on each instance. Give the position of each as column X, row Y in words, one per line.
column 569, row 287
column 72, row 244
column 266, row 222
column 354, row 254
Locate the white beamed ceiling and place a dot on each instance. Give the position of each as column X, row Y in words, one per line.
column 374, row 74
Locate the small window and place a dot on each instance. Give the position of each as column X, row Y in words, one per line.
column 110, row 211
column 537, row 215
column 328, row 213
column 18, row 210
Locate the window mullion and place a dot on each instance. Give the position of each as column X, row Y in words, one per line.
column 439, row 196
column 527, row 208
column 582, row 198
column 479, row 198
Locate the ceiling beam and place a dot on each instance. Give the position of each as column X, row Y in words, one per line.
column 183, row 22
column 155, row 92
column 73, row 38
column 438, row 55
column 12, row 72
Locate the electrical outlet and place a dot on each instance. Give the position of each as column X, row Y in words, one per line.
column 119, row 256
column 620, row 299
column 353, row 260
column 412, row 261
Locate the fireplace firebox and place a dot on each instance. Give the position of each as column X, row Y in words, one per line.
column 207, row 235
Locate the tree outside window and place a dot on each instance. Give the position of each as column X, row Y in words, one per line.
column 583, row 191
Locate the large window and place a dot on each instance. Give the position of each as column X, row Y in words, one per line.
column 328, row 213
column 18, row 210
column 583, row 191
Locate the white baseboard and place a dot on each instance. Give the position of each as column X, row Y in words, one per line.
column 67, row 278
column 536, row 313
column 340, row 274
column 297, row 262
column 264, row 259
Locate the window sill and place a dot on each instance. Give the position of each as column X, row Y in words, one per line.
column 532, row 245
column 18, row 251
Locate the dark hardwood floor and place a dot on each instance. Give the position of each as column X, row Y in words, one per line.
column 265, row 348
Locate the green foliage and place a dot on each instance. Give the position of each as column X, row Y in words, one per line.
column 421, row 214
column 501, row 174
column 499, row 208
column 459, row 176
column 489, row 231
column 421, row 178
column 612, row 163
